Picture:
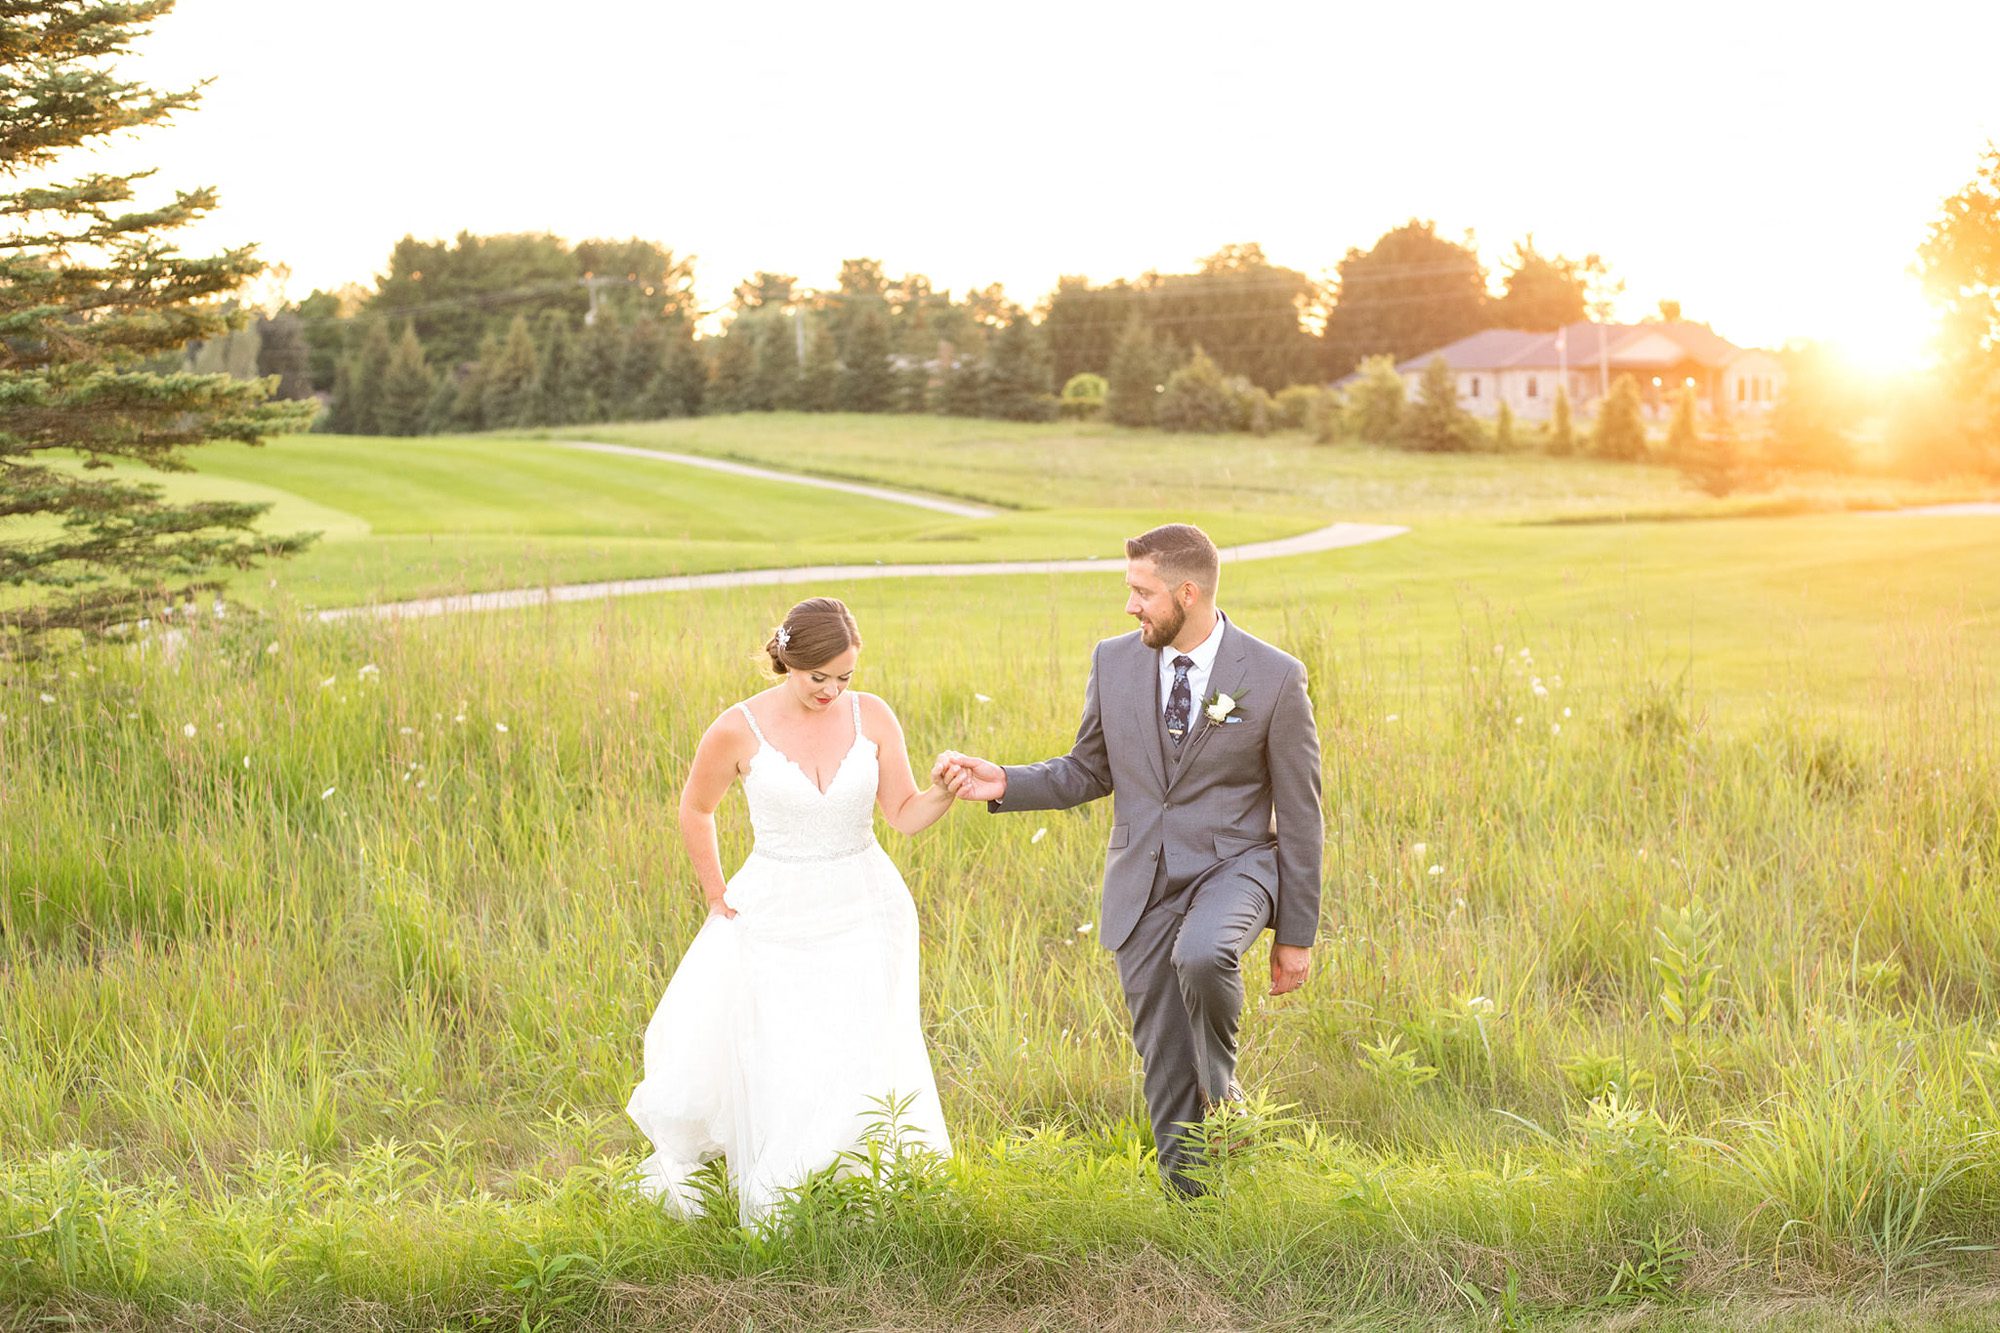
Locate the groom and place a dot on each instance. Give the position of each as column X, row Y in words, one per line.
column 1204, row 738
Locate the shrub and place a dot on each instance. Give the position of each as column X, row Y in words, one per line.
column 1375, row 401
column 1295, row 404
column 1083, row 396
column 1197, row 398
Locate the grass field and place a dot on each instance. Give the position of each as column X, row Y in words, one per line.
column 325, row 950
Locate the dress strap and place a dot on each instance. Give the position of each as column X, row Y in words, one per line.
column 752, row 720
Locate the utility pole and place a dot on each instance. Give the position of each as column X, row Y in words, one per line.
column 593, row 282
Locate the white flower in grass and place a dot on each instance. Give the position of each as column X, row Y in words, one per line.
column 1394, row 717
column 1083, row 928
column 1419, row 848
column 246, row 761
column 369, row 672
column 500, row 727
column 328, row 792
column 1435, row 870
column 1541, row 690
column 458, row 717
column 188, row 731
column 1565, row 712
column 406, row 731
column 1555, row 728
column 1040, row 833
column 327, row 684
column 48, row 698
column 984, row 698
column 271, row 647
column 1519, row 720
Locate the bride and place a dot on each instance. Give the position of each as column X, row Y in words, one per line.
column 792, row 1017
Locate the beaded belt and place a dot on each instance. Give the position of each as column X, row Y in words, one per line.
column 807, row 860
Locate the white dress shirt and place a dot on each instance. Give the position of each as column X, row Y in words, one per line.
column 1203, row 654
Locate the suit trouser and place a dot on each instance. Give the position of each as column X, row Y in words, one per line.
column 1183, row 983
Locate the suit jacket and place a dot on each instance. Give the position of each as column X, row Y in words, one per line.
column 1243, row 794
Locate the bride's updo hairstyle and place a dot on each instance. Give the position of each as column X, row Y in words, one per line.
column 814, row 632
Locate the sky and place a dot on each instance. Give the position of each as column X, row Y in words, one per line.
column 1771, row 166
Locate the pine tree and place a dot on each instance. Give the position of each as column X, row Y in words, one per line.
column 89, row 291
column 641, row 362
column 820, row 378
column 1681, row 434
column 1620, row 432
column 365, row 372
column 1719, row 462
column 438, row 413
column 687, row 371
column 868, row 381
column 1375, row 401
column 1435, row 422
column 962, row 389
column 558, row 376
column 1562, row 430
column 1196, row 398
column 774, row 383
column 1138, row 370
column 913, row 388
column 407, row 384
column 600, row 359
column 468, row 407
column 731, row 389
column 1017, row 384
column 510, row 388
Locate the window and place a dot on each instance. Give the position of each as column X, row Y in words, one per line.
column 1742, row 390
column 1534, row 387
column 1475, row 386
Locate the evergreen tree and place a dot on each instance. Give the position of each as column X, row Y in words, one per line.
column 641, row 362
column 438, row 413
column 282, row 351
column 687, row 370
column 820, row 378
column 732, row 389
column 1681, row 434
column 774, row 383
column 1375, row 402
column 600, row 359
column 1620, row 432
column 913, row 388
column 1138, row 369
column 1197, row 399
column 339, row 418
column 962, row 388
column 407, row 385
column 1562, row 430
column 369, row 365
column 1720, row 463
column 1503, row 429
column 468, row 407
column 558, row 373
column 510, row 388
column 1435, row 422
column 1017, row 384
column 89, row 291
column 1325, row 416
column 868, row 381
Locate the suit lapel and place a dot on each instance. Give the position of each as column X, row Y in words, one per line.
column 1147, row 710
column 1232, row 664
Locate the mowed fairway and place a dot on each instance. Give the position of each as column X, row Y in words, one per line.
column 420, row 517
column 1657, row 979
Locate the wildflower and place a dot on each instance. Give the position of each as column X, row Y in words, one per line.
column 246, row 761
column 458, row 717
column 1083, row 928
column 1419, row 848
column 271, row 647
column 406, row 731
column 369, row 671
column 1519, row 720
column 1565, row 712
column 328, row 792
column 1435, row 870
column 1541, row 690
column 1555, row 728
column 1394, row 717
column 500, row 727
column 1040, row 833
column 327, row 684
column 984, row 698
column 48, row 698
column 188, row 731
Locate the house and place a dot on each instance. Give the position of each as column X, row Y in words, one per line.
column 1523, row 369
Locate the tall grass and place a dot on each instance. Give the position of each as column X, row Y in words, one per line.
column 325, row 953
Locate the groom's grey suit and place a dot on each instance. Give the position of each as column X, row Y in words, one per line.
column 1212, row 839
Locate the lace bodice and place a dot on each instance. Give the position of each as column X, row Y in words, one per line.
column 793, row 820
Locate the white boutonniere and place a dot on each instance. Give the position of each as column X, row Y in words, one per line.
column 1220, row 708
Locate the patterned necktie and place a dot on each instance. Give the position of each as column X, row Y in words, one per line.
column 1179, row 705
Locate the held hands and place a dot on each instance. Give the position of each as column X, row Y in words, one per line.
column 717, row 907
column 969, row 778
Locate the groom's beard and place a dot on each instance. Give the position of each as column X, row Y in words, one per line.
column 1164, row 632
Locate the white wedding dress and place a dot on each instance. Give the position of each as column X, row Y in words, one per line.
column 782, row 1023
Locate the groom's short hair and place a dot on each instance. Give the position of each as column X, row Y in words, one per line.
column 1181, row 552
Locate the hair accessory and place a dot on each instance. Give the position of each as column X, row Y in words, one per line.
column 784, row 638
